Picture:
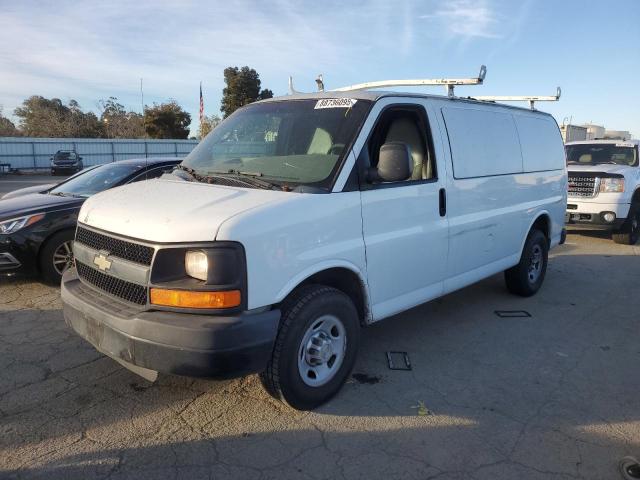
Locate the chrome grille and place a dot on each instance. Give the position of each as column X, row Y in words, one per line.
column 134, row 252
column 130, row 292
column 582, row 186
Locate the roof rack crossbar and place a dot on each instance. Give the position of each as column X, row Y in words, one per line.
column 449, row 83
column 521, row 98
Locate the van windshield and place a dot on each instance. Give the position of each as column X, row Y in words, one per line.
column 611, row 153
column 291, row 142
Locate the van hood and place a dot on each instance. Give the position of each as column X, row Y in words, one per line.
column 167, row 211
column 600, row 167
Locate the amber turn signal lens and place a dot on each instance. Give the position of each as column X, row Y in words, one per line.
column 191, row 299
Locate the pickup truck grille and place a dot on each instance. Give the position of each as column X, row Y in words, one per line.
column 582, row 186
column 134, row 252
column 127, row 291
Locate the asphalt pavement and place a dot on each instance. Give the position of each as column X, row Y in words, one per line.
column 555, row 394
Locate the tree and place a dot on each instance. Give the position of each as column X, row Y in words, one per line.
column 243, row 87
column 7, row 128
column 167, row 120
column 207, row 124
column 117, row 122
column 43, row 117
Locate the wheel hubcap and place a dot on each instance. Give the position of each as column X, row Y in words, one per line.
column 535, row 264
column 63, row 257
column 322, row 350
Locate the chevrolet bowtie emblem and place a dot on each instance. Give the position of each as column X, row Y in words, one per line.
column 102, row 261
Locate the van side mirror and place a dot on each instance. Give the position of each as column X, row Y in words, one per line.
column 394, row 163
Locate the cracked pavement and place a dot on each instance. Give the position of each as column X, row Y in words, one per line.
column 555, row 395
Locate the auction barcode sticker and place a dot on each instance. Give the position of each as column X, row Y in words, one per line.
column 335, row 103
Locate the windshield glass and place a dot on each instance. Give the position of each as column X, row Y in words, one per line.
column 65, row 156
column 288, row 142
column 94, row 180
column 592, row 154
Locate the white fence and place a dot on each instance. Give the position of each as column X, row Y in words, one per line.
column 24, row 153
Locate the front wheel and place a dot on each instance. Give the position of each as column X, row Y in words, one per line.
column 526, row 278
column 56, row 257
column 630, row 231
column 315, row 349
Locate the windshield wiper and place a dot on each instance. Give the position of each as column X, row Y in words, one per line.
column 249, row 177
column 189, row 171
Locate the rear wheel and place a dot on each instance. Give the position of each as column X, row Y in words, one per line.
column 56, row 257
column 315, row 349
column 526, row 278
column 630, row 231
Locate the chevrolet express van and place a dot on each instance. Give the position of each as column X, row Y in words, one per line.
column 299, row 220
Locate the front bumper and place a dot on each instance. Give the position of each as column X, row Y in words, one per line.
column 581, row 215
column 175, row 343
column 17, row 255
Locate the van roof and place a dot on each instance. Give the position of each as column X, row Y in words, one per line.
column 607, row 141
column 374, row 95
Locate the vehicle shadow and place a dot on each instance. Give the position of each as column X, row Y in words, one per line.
column 555, row 391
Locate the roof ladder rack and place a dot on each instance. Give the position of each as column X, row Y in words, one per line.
column 521, row 98
column 449, row 83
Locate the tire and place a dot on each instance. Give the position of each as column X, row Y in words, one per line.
column 630, row 231
column 526, row 278
column 53, row 172
column 629, row 468
column 300, row 374
column 51, row 266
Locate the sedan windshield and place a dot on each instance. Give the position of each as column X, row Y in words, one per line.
column 610, row 153
column 294, row 142
column 94, row 180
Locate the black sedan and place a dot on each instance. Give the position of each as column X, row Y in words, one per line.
column 36, row 230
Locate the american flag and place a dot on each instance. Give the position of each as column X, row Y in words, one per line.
column 201, row 104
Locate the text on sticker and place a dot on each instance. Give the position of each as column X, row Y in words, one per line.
column 335, row 103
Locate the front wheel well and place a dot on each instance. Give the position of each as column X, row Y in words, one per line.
column 46, row 240
column 345, row 280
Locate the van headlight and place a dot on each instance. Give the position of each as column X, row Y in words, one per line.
column 14, row 224
column 612, row 185
column 196, row 264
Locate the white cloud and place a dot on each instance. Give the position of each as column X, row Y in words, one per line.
column 466, row 18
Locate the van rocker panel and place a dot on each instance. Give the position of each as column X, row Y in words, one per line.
column 173, row 343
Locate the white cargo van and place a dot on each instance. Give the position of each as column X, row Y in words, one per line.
column 604, row 188
column 299, row 220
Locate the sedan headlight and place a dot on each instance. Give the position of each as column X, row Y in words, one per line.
column 196, row 264
column 14, row 224
column 612, row 185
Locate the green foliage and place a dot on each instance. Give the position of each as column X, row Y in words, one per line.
column 207, row 124
column 243, row 87
column 7, row 128
column 43, row 117
column 166, row 120
column 117, row 122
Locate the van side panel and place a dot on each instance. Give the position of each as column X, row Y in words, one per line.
column 542, row 147
column 288, row 242
column 483, row 142
column 492, row 199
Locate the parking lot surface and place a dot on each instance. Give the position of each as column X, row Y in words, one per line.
column 9, row 183
column 553, row 395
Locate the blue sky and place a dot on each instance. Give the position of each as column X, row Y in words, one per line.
column 90, row 50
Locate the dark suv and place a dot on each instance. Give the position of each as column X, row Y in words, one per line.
column 66, row 161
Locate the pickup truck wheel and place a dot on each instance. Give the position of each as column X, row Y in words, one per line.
column 630, row 231
column 56, row 257
column 526, row 278
column 315, row 349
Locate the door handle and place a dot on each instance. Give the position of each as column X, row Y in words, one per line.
column 442, row 194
